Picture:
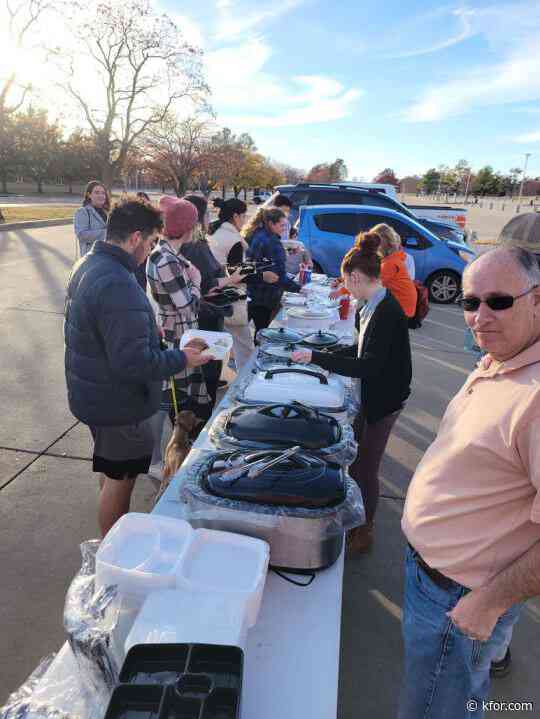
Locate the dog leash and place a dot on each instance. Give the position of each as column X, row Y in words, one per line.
column 175, row 402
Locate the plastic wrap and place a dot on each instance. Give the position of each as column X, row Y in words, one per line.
column 76, row 683
column 323, row 523
column 342, row 453
column 90, row 618
column 53, row 691
column 22, row 704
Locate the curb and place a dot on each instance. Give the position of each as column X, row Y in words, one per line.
column 32, row 224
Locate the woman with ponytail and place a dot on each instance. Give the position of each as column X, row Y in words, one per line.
column 381, row 364
column 254, row 224
column 394, row 273
column 265, row 245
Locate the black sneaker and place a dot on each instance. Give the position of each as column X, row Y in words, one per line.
column 501, row 669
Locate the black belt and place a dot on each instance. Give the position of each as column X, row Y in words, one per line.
column 440, row 580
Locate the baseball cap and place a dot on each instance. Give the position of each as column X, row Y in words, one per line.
column 522, row 231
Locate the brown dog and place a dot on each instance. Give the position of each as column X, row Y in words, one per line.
column 178, row 447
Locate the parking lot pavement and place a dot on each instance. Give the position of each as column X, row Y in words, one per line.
column 486, row 220
column 48, row 495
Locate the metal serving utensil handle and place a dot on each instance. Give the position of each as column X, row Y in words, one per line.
column 237, row 472
column 256, row 471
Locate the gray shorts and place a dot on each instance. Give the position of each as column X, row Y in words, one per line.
column 123, row 452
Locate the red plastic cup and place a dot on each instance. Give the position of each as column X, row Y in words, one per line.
column 344, row 307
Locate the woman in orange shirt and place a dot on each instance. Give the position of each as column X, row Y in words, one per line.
column 394, row 274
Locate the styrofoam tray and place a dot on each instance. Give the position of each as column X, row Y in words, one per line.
column 311, row 324
column 218, row 351
column 310, row 313
column 293, row 299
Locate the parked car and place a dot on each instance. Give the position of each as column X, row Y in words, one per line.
column 261, row 196
column 343, row 194
column 328, row 232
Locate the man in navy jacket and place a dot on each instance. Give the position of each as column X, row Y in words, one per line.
column 113, row 360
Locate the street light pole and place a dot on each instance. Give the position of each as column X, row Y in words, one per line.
column 467, row 188
column 527, row 155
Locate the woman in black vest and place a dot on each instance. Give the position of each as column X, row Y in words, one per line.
column 381, row 364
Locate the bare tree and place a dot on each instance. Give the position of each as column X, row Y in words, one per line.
column 143, row 67
column 291, row 175
column 175, row 150
column 20, row 20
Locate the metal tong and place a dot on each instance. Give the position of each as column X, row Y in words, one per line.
column 255, row 469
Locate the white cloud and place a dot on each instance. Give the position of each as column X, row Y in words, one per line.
column 237, row 77
column 528, row 138
column 527, row 110
column 236, row 21
column 512, row 31
column 247, row 94
column 464, row 31
column 191, row 31
column 245, row 91
column 515, row 80
column 315, row 110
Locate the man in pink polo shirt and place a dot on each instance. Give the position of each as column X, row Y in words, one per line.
column 472, row 515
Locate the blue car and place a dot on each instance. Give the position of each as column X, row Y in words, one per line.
column 328, row 232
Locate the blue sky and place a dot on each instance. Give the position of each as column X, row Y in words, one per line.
column 405, row 85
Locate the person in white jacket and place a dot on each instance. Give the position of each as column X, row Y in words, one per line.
column 228, row 247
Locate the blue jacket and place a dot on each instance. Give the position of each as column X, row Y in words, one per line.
column 113, row 360
column 264, row 246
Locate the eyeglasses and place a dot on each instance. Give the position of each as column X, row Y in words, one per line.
column 502, row 302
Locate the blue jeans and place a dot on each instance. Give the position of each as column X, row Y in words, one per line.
column 446, row 673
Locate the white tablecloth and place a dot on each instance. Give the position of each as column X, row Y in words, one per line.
column 292, row 656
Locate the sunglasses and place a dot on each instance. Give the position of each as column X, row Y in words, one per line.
column 502, row 302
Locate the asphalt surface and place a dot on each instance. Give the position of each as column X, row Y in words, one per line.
column 48, row 496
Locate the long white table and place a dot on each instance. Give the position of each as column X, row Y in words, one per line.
column 292, row 656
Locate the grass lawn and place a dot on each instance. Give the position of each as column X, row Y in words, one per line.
column 24, row 213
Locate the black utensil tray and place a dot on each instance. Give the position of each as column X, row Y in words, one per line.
column 155, row 664
column 135, row 702
column 179, row 681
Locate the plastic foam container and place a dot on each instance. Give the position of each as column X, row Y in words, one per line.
column 219, row 351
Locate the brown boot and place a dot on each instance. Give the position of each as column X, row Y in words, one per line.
column 359, row 541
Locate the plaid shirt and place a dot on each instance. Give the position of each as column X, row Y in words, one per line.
column 178, row 301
